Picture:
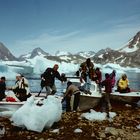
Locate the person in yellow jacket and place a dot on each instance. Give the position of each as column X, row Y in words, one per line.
column 123, row 84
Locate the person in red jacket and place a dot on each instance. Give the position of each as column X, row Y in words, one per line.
column 108, row 89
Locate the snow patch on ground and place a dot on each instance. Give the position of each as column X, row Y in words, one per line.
column 78, row 130
column 93, row 115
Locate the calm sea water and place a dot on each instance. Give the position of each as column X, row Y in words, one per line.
column 134, row 79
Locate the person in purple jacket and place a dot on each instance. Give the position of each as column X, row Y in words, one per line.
column 113, row 78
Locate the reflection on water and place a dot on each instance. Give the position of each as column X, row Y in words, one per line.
column 134, row 80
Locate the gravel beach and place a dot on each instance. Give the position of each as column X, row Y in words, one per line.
column 125, row 126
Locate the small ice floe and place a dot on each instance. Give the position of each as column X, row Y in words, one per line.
column 55, row 131
column 93, row 115
column 138, row 126
column 78, row 130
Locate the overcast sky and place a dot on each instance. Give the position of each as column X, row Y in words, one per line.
column 67, row 25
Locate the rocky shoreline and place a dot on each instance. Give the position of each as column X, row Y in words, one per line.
column 123, row 126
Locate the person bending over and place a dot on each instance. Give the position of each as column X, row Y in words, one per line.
column 72, row 90
column 49, row 79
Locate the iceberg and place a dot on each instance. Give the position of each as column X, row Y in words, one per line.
column 39, row 64
column 37, row 117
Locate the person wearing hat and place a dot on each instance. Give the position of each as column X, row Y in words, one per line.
column 123, row 84
column 72, row 90
column 21, row 88
column 49, row 79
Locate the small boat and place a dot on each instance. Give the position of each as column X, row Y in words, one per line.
column 87, row 101
column 13, row 106
column 10, row 106
column 90, row 101
column 131, row 98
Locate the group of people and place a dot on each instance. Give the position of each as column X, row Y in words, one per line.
column 87, row 73
column 21, row 88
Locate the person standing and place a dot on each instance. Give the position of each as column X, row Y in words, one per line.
column 2, row 88
column 108, row 89
column 98, row 78
column 87, row 73
column 49, row 79
column 113, row 78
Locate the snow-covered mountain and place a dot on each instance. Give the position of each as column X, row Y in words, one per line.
column 60, row 56
column 5, row 54
column 34, row 53
column 62, row 53
column 38, row 60
column 133, row 45
column 128, row 55
column 86, row 54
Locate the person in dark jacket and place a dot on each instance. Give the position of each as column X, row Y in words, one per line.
column 2, row 88
column 49, row 79
column 108, row 89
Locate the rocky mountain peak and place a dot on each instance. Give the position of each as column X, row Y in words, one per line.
column 135, row 41
column 5, row 54
column 86, row 54
column 38, row 51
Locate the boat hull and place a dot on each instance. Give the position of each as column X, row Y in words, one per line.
column 13, row 106
column 88, row 102
column 10, row 106
column 129, row 98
